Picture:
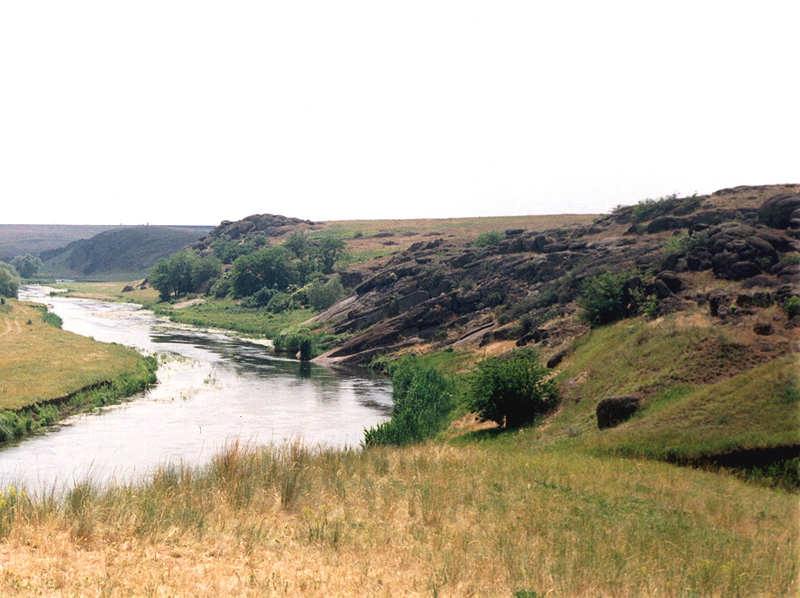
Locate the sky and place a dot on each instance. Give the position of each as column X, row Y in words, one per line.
column 194, row 112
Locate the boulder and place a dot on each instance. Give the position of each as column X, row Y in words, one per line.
column 718, row 302
column 776, row 211
column 778, row 240
column 128, row 289
column 672, row 280
column 663, row 223
column 762, row 328
column 557, row 358
column 761, row 280
column 613, row 411
column 742, row 270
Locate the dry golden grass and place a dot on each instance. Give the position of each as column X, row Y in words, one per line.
column 39, row 362
column 484, row 519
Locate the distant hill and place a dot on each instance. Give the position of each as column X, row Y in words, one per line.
column 19, row 239
column 129, row 251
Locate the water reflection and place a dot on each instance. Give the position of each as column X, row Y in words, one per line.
column 212, row 388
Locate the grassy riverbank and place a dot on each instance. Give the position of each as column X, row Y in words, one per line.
column 47, row 373
column 487, row 518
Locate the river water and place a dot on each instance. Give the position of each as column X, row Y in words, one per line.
column 213, row 389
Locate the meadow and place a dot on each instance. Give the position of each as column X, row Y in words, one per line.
column 505, row 517
column 47, row 373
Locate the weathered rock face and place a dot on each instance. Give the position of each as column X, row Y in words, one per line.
column 779, row 211
column 270, row 225
column 453, row 294
column 613, row 411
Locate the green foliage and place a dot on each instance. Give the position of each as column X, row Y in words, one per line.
column 9, row 281
column 422, row 402
column 205, row 271
column 298, row 244
column 280, row 303
column 606, row 298
column 792, row 306
column 295, row 341
column 670, row 204
column 184, row 272
column 512, row 390
column 266, row 268
column 684, row 243
column 488, row 239
column 260, row 298
column 323, row 295
column 329, row 251
column 52, row 319
column 650, row 307
column 227, row 250
column 26, row 265
column 790, row 259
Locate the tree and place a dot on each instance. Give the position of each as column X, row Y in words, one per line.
column 609, row 297
column 267, row 268
column 511, row 391
column 9, row 281
column 323, row 295
column 205, row 271
column 26, row 265
column 298, row 244
column 184, row 272
column 330, row 250
column 172, row 276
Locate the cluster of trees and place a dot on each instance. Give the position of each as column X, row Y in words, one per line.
column 184, row 272
column 22, row 266
column 280, row 277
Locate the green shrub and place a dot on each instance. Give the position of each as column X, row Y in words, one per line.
column 323, row 295
column 422, row 403
column 607, row 298
column 792, row 306
column 670, row 204
column 487, row 239
column 9, row 281
column 280, row 303
column 260, row 298
column 512, row 390
column 53, row 319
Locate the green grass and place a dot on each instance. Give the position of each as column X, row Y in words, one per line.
column 228, row 315
column 40, row 362
column 47, row 373
column 759, row 408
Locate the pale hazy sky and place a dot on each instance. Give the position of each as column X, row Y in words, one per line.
column 191, row 112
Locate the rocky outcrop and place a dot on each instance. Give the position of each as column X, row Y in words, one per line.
column 780, row 211
column 269, row 225
column 449, row 294
column 613, row 411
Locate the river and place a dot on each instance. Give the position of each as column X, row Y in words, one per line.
column 213, row 388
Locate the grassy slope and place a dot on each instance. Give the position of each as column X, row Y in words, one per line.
column 19, row 239
column 39, row 362
column 703, row 392
column 485, row 519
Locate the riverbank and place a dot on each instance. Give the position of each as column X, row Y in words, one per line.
column 48, row 373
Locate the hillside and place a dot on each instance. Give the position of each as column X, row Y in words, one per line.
column 680, row 254
column 118, row 253
column 19, row 239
